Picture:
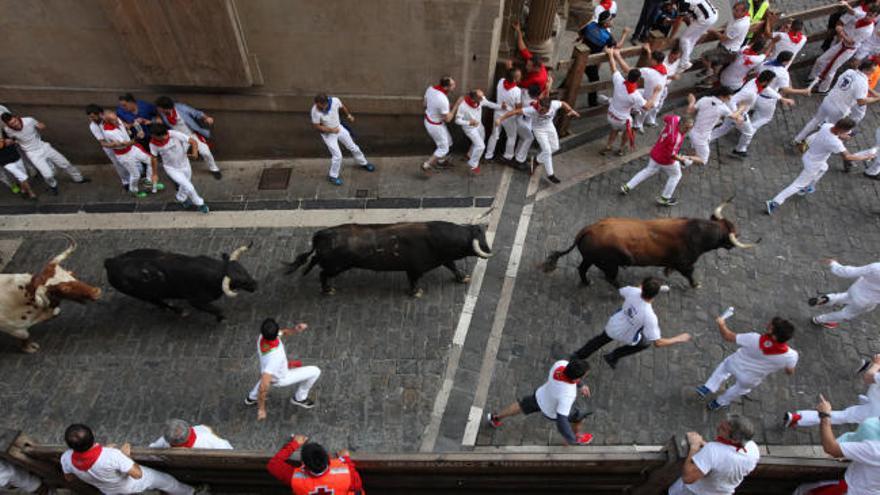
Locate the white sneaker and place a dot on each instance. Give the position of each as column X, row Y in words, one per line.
column 604, row 99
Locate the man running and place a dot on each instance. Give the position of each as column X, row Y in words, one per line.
column 703, row 15
column 130, row 154
column 171, row 146
column 192, row 122
column 868, row 407
column 850, row 37
column 325, row 119
column 707, row 112
column 861, row 297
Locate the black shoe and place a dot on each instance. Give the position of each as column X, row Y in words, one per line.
column 872, row 177
column 217, row 174
column 579, row 416
column 53, row 190
column 248, row 401
column 610, row 360
column 306, row 404
column 84, row 180
column 553, row 179
column 741, row 154
column 818, row 301
column 521, row 166
column 125, row 187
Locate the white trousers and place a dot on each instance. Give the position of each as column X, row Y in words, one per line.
column 721, row 374
column 477, row 135
column 182, row 176
column 524, row 131
column 121, row 170
column 206, row 155
column 827, row 113
column 828, row 63
column 874, row 169
column 746, row 130
column 132, row 162
column 157, row 480
column 442, row 139
column 850, row 415
column 332, row 141
column 679, row 488
column 857, row 112
column 305, row 376
column 12, row 476
column 700, row 143
column 809, row 176
column 509, row 127
column 673, row 174
column 689, row 37
column 850, row 309
column 46, row 159
column 650, row 117
column 763, row 113
column 548, row 140
column 18, row 170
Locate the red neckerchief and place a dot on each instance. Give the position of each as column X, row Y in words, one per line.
column 559, row 375
column 864, row 21
column 267, row 345
column 725, row 441
column 441, row 89
column 471, row 103
column 659, row 68
column 631, row 87
column 606, row 4
column 769, row 346
column 748, row 51
column 172, row 117
column 160, row 142
column 795, row 37
column 109, row 127
column 508, row 85
column 758, row 85
column 85, row 460
column 190, row 440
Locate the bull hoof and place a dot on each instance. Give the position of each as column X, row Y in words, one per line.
column 464, row 280
column 329, row 292
column 418, row 293
column 29, row 347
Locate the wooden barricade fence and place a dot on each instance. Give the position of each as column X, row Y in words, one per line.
column 636, row 470
column 581, row 58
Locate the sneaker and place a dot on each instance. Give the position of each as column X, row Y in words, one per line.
column 305, row 404
column 801, row 146
column 336, row 181
column 521, row 166
column 248, row 401
column 624, row 189
column 369, row 167
column 640, row 130
column 740, row 154
column 187, row 204
column 872, row 177
column 217, row 174
column 610, row 360
column 772, row 206
column 158, row 187
column 204, row 209
column 865, row 364
column 666, row 201
column 713, row 405
column 790, row 420
column 294, row 363
column 54, row 190
column 584, row 438
column 604, row 99
column 818, row 301
column 426, row 168
column 475, row 170
column 829, row 325
column 493, row 421
column 651, row 124
column 15, row 189
column 703, row 391
column 140, row 194
column 553, row 179
column 125, row 187
column 84, row 180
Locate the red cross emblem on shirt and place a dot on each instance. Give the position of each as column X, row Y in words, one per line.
column 322, row 490
column 747, row 61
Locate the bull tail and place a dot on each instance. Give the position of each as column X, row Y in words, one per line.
column 298, row 262
column 550, row 263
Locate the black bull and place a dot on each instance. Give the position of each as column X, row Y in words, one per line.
column 414, row 248
column 155, row 276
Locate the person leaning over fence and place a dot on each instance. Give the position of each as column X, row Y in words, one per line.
column 719, row 466
column 318, row 474
column 18, row 480
column 179, row 434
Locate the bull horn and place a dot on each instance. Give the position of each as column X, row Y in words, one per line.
column 67, row 252
column 482, row 254
column 742, row 245
column 226, row 288
column 238, row 252
column 718, row 209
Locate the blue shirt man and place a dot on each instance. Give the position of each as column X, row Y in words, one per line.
column 132, row 111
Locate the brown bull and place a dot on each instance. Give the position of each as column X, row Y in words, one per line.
column 673, row 243
column 27, row 299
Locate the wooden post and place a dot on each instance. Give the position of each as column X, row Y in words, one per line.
column 660, row 479
column 580, row 54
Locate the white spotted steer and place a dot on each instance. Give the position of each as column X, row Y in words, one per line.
column 27, row 299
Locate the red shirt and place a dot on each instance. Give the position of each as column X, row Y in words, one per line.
column 284, row 472
column 669, row 142
column 538, row 77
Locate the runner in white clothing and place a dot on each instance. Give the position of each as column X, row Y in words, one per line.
column 868, row 407
column 437, row 115
column 790, row 38
column 625, row 100
column 758, row 356
column 524, row 127
column 746, row 60
column 541, row 114
column 861, row 297
column 277, row 371
column 25, row 131
column 655, row 78
column 325, row 118
column 703, row 15
column 180, row 434
column 729, row 43
column 129, row 153
column 18, row 480
column 851, row 37
column 111, row 470
column 171, row 146
column 826, row 141
column 742, row 103
column 555, row 400
column 707, row 112
column 508, row 94
column 96, row 119
column 469, row 117
column 671, row 63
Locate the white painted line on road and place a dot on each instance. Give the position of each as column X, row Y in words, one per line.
column 235, row 219
column 487, row 369
column 432, row 430
column 533, row 183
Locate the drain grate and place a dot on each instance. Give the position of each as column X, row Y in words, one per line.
column 274, row 178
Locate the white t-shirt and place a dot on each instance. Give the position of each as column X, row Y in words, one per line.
column 273, row 361
column 466, row 113
column 672, row 68
column 599, row 9
column 710, row 110
column 784, row 44
column 703, row 10
column 117, row 135
column 556, row 396
column 724, row 467
column 821, row 145
column 543, row 121
column 850, row 87
column 782, row 79
column 866, row 289
column 734, row 75
column 329, row 118
column 652, row 79
column 28, row 137
column 748, row 94
column 850, row 18
column 634, row 321
column 507, row 98
column 863, row 474
column 736, row 30
column 436, row 105
column 623, row 102
column 109, row 473
column 858, row 34
column 750, row 365
column 205, row 439
column 173, row 152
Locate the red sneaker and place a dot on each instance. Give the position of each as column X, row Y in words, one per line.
column 476, row 170
column 584, row 438
column 295, row 363
column 493, row 421
column 791, row 419
column 829, row 325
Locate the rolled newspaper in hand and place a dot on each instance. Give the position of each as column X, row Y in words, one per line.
column 867, row 152
column 727, row 313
